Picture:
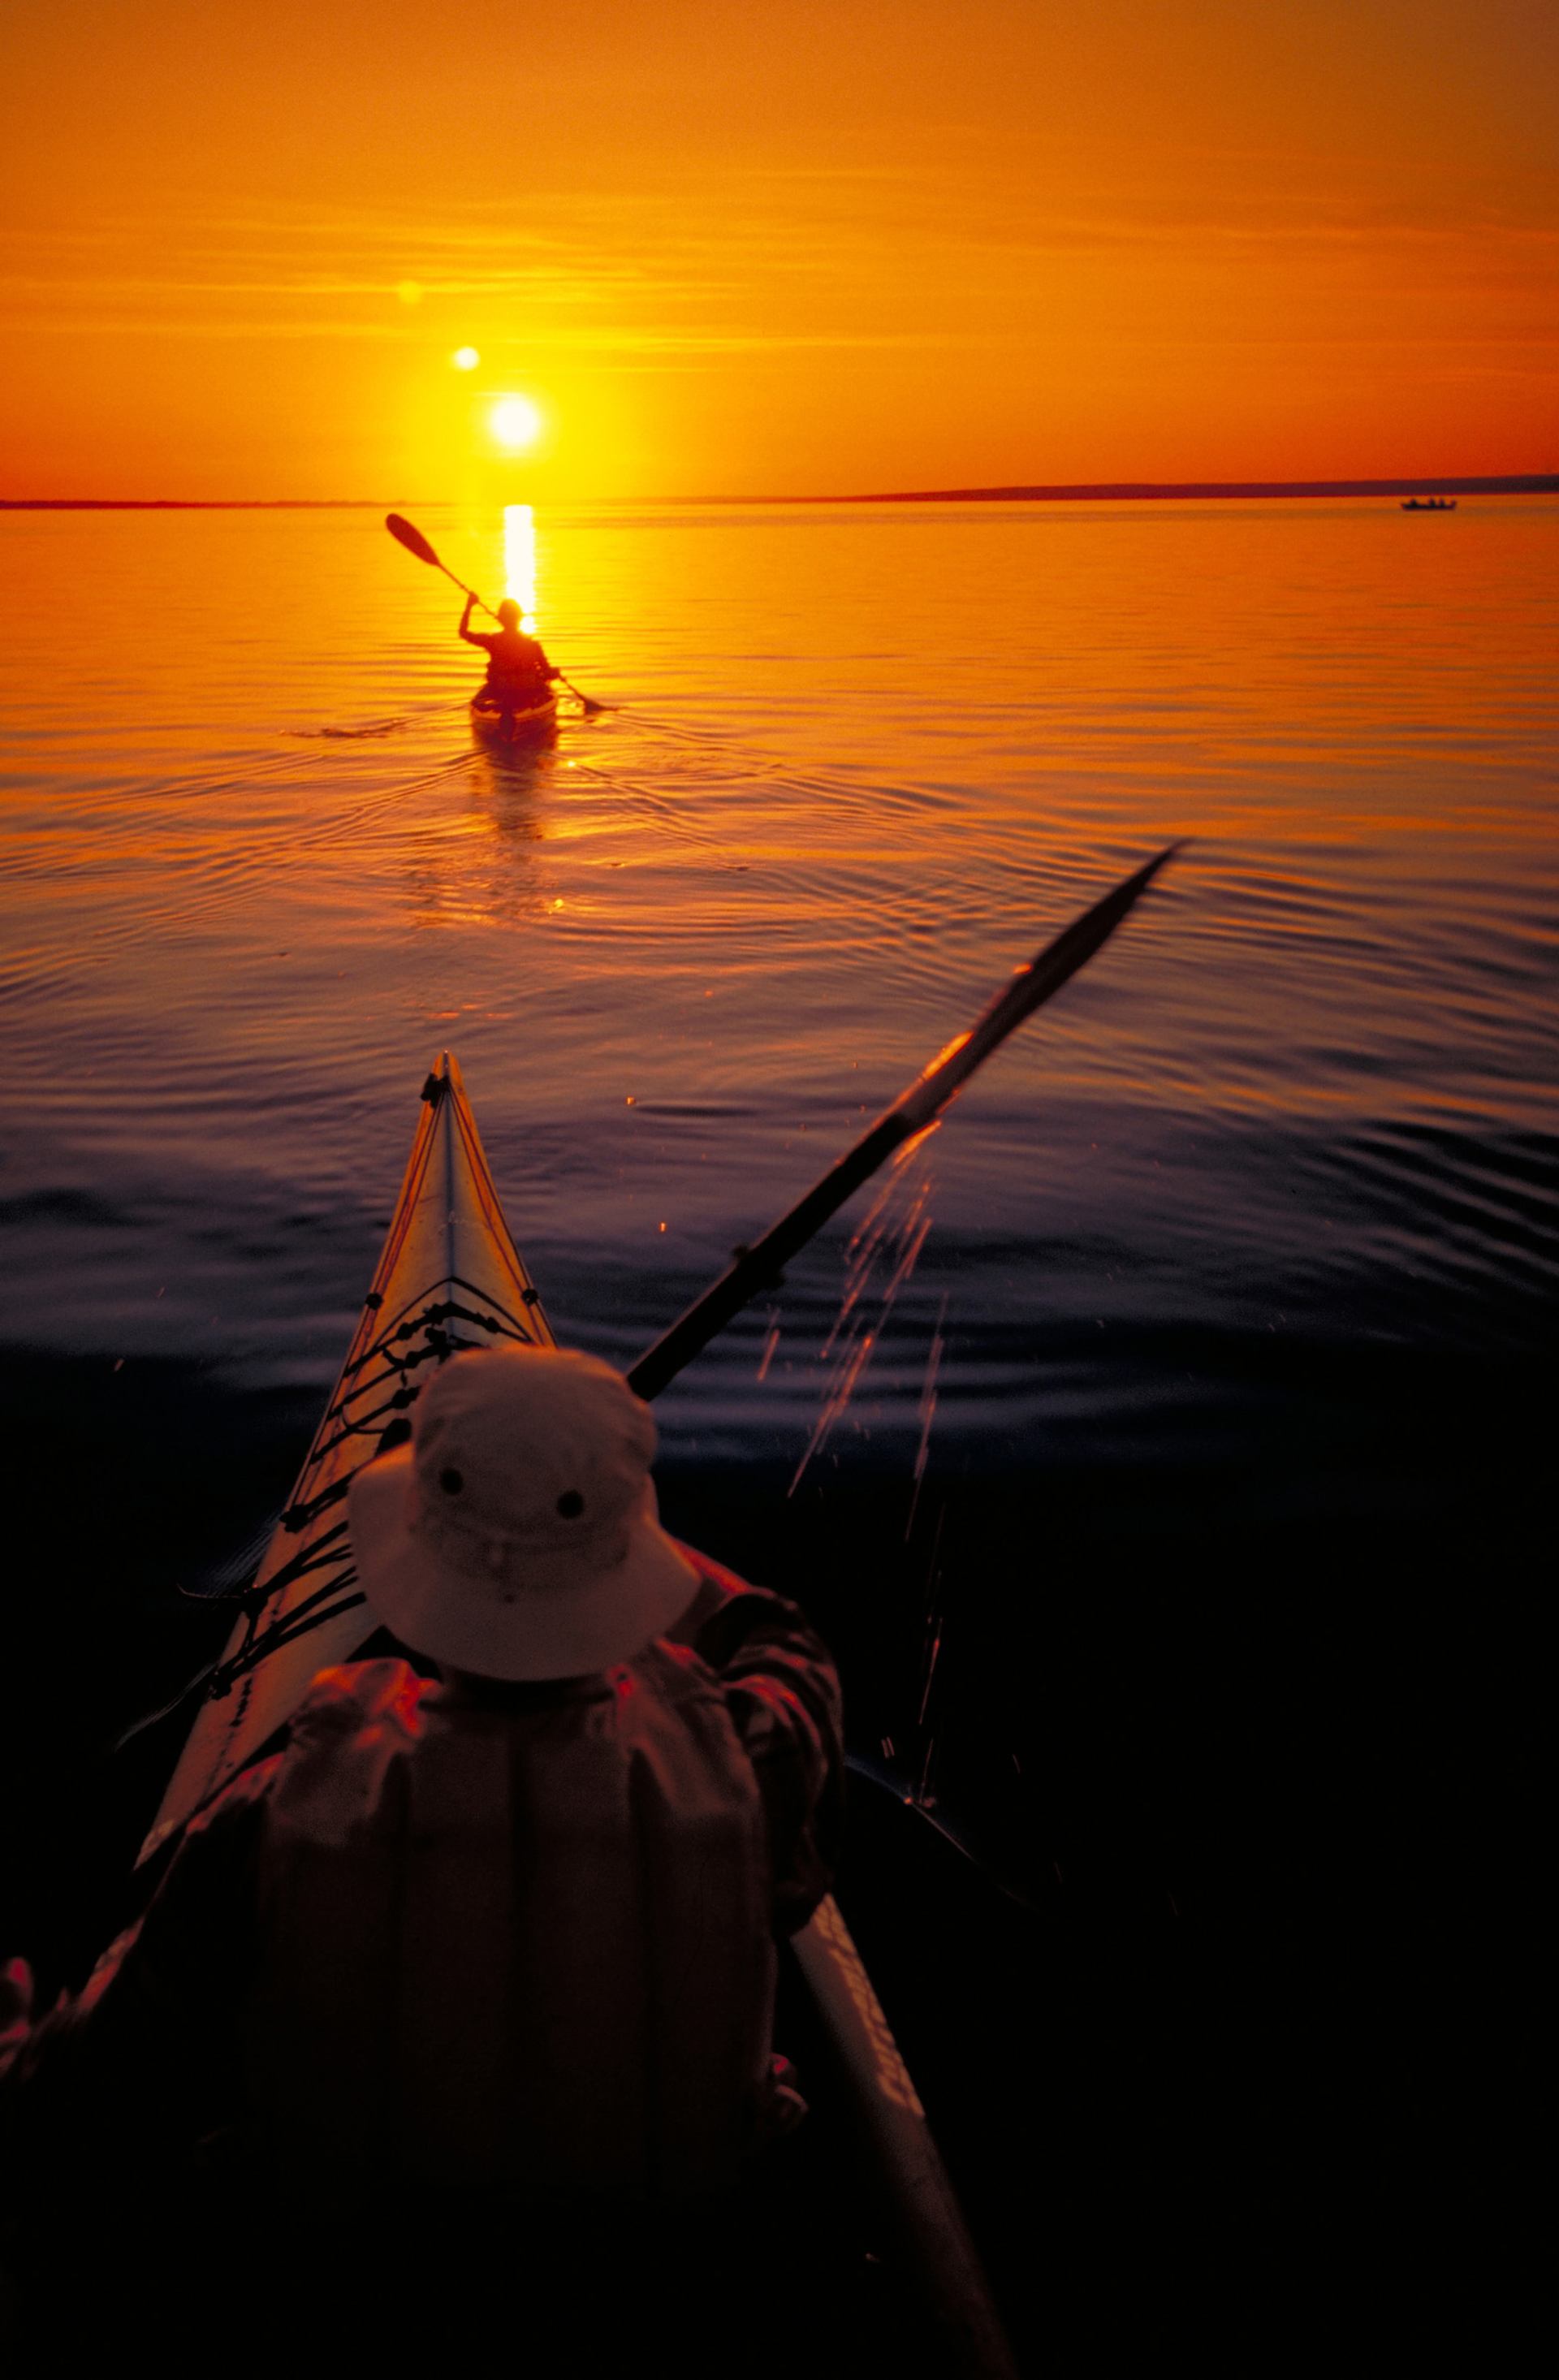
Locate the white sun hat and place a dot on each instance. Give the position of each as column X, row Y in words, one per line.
column 517, row 1535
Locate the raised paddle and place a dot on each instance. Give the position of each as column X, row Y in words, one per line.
column 758, row 1266
column 406, row 533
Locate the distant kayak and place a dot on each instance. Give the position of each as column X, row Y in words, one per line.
column 1430, row 505
column 497, row 722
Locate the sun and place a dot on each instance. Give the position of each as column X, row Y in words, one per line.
column 515, row 422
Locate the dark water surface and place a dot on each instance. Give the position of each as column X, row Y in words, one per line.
column 1161, row 1443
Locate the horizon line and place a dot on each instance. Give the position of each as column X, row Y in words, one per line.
column 1071, row 491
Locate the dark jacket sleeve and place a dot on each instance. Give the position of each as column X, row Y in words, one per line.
column 783, row 1692
column 149, row 2049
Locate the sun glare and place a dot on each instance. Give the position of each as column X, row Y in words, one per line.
column 465, row 359
column 516, row 422
column 519, row 562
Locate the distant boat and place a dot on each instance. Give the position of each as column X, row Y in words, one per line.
column 1430, row 505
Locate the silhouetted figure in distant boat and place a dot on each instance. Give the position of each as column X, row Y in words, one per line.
column 518, row 672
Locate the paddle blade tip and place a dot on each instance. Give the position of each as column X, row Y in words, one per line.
column 1161, row 859
column 1125, row 896
column 402, row 531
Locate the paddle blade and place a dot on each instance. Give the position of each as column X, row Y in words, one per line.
column 412, row 538
column 1028, row 989
column 761, row 1265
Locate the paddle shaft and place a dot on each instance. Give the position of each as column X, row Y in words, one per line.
column 760, row 1267
column 589, row 700
column 942, row 2263
column 476, row 599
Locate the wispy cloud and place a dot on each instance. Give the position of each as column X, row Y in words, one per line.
column 807, row 260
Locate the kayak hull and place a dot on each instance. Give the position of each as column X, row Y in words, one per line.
column 494, row 722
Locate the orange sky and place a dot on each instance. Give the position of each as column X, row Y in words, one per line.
column 796, row 248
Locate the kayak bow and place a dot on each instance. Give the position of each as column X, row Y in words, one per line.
column 449, row 1276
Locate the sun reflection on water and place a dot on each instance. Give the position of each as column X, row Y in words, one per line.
column 519, row 562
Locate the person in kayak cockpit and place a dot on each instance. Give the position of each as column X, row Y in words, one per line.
column 502, row 1937
column 518, row 672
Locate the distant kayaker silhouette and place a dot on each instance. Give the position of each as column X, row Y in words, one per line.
column 518, row 672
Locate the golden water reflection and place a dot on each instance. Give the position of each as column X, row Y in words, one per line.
column 519, row 562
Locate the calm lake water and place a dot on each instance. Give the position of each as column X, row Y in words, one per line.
column 1196, row 1428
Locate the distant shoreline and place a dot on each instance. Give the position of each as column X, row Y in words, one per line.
column 1102, row 491
column 1538, row 483
column 194, row 504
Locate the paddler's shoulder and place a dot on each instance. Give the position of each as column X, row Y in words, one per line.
column 717, row 1587
column 385, row 1696
column 729, row 1614
column 372, row 1699
column 351, row 1728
